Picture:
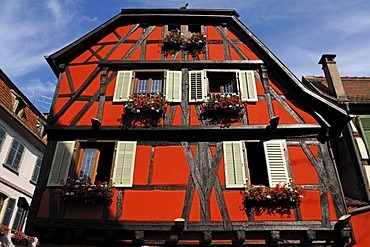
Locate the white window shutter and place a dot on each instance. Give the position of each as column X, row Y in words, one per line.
column 197, row 89
column 173, row 86
column 235, row 176
column 123, row 86
column 247, row 86
column 276, row 162
column 61, row 162
column 124, row 164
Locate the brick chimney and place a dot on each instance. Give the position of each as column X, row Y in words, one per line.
column 330, row 69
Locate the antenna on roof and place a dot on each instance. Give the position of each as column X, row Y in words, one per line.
column 41, row 101
column 185, row 6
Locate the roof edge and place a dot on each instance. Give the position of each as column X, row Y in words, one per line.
column 216, row 12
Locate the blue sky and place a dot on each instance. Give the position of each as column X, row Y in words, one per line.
column 298, row 32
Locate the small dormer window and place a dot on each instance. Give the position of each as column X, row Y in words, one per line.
column 18, row 104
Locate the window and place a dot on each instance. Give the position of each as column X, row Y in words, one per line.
column 18, row 104
column 8, row 211
column 94, row 162
column 207, row 82
column 129, row 82
column 2, row 136
column 195, row 28
column 255, row 163
column 36, row 170
column 15, row 155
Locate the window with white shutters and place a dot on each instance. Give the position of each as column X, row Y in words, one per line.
column 124, row 163
column 247, row 84
column 197, row 90
column 263, row 163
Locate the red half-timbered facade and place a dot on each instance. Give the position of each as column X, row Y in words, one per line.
column 182, row 110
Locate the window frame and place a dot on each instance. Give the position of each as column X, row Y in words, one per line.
column 36, row 170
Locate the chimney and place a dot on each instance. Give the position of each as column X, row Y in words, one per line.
column 330, row 69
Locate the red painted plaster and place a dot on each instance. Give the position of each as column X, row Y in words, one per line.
column 155, row 205
column 111, row 113
column 285, row 116
column 141, row 168
column 170, row 166
column 310, row 206
column 302, row 169
column 233, row 201
column 257, row 112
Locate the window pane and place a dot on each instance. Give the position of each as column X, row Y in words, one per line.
column 222, row 82
column 156, row 86
column 142, row 86
column 17, row 219
column 87, row 166
column 8, row 211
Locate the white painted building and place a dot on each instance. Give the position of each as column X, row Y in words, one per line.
column 22, row 144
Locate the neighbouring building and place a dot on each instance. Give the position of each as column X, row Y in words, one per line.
column 199, row 127
column 22, row 145
column 352, row 148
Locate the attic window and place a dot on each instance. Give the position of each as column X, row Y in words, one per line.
column 18, row 104
column 222, row 82
column 148, row 82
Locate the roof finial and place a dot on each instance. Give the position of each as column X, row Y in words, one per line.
column 185, row 6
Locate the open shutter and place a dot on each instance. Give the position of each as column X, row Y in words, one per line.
column 235, row 176
column 364, row 121
column 247, row 86
column 124, row 164
column 61, row 163
column 173, row 86
column 123, row 86
column 276, row 162
column 17, row 219
column 197, row 90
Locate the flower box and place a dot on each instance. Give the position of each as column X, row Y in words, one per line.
column 21, row 239
column 223, row 102
column 280, row 199
column 4, row 230
column 143, row 109
column 75, row 190
column 175, row 41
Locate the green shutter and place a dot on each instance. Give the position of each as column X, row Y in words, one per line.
column 17, row 219
column 124, row 164
column 123, row 86
column 235, row 176
column 248, row 86
column 276, row 162
column 36, row 170
column 196, row 86
column 173, row 86
column 61, row 163
column 364, row 121
column 8, row 211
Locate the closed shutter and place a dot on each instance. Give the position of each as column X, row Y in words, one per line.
column 248, row 86
column 123, row 86
column 235, row 176
column 173, row 86
column 364, row 121
column 61, row 163
column 15, row 155
column 197, row 90
column 36, row 170
column 276, row 162
column 8, row 211
column 17, row 220
column 124, row 164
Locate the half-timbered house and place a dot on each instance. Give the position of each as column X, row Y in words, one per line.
column 199, row 127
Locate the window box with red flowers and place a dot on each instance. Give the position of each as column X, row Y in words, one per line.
column 222, row 109
column 21, row 239
column 196, row 42
column 76, row 190
column 144, row 109
column 173, row 41
column 4, row 230
column 280, row 199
